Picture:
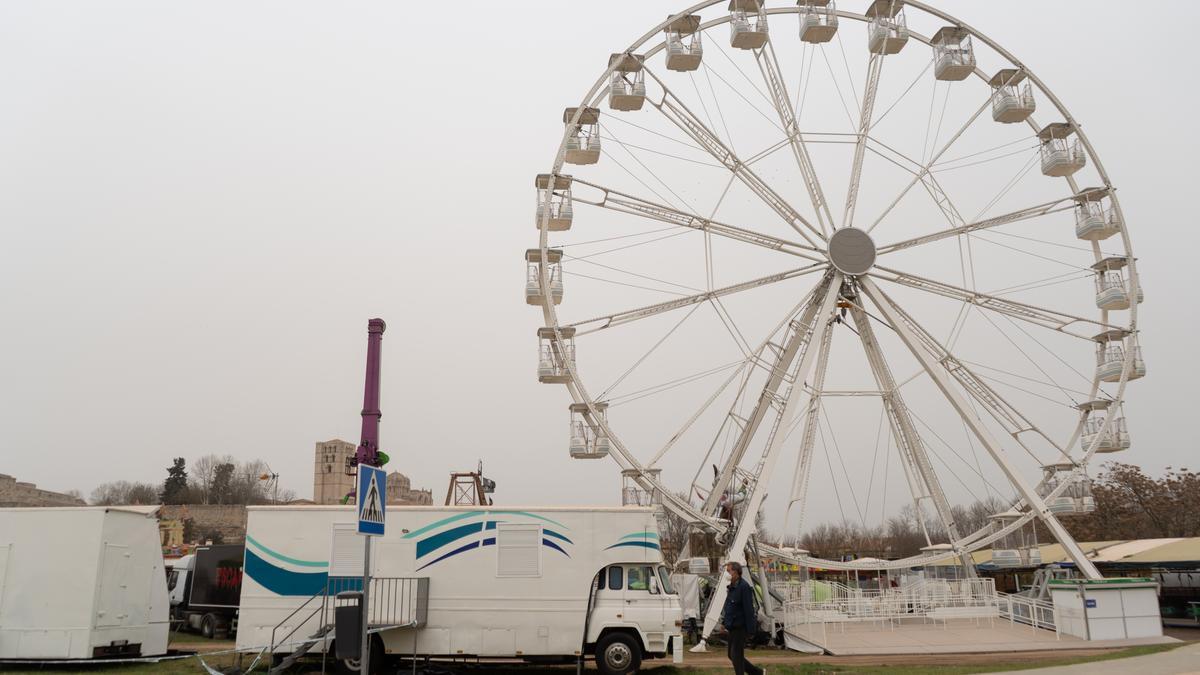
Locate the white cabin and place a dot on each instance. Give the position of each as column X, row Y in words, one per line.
column 747, row 24
column 953, row 54
column 1098, row 414
column 684, row 46
column 632, row 492
column 82, row 582
column 1112, row 288
column 1111, row 354
column 1061, row 154
column 555, row 356
column 1012, row 101
column 583, row 135
column 1018, row 548
column 1096, row 219
column 588, row 440
column 818, row 20
column 533, row 275
column 553, row 202
column 627, row 86
column 464, row 582
column 887, row 32
column 1075, row 499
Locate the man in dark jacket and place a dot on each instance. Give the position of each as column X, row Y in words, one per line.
column 739, row 620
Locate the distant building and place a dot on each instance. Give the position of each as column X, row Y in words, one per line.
column 399, row 491
column 17, row 493
column 332, row 479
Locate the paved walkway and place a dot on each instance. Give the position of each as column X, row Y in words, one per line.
column 1185, row 659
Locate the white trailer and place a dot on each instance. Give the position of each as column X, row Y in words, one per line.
column 540, row 584
column 81, row 583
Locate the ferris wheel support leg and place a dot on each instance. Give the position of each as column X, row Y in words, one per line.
column 940, row 378
column 923, row 479
column 745, row 527
column 803, row 470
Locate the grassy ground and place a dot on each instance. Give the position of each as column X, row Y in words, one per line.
column 829, row 665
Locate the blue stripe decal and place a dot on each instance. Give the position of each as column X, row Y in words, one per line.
column 547, row 542
column 642, row 544
column 640, row 535
column 280, row 581
column 433, row 543
column 456, row 551
column 552, row 533
column 534, row 515
column 490, row 541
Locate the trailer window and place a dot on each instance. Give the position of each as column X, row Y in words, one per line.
column 615, row 577
column 519, row 550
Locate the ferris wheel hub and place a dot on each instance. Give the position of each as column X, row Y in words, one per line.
column 851, row 251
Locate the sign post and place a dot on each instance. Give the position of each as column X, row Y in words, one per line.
column 371, row 500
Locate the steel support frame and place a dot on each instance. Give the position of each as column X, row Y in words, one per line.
column 941, row 379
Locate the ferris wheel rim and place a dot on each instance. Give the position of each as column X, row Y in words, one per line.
column 972, row 541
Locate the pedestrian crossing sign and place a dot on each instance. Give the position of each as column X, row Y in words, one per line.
column 371, row 499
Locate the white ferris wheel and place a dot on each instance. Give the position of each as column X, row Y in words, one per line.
column 826, row 263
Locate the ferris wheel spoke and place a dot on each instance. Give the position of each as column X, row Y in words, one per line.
column 803, row 470
column 1046, row 208
column 768, row 65
column 621, row 202
column 939, row 376
column 923, row 480
column 870, row 89
column 1039, row 316
column 800, row 333
column 1008, row 416
column 924, row 174
column 681, row 116
column 618, row 318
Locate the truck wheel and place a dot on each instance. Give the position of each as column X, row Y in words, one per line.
column 618, row 654
column 208, row 626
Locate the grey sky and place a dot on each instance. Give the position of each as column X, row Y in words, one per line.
column 203, row 203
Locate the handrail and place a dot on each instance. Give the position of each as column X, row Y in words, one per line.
column 324, row 593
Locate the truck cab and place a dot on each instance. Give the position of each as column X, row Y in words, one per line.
column 203, row 589
column 635, row 614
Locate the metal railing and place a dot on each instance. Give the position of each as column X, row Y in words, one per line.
column 392, row 602
column 1030, row 611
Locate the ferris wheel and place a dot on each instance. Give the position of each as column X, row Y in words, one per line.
column 825, row 264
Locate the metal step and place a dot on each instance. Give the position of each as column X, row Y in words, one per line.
column 306, row 646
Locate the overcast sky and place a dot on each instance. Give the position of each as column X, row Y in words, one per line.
column 203, row 203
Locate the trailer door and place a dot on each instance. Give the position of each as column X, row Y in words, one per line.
column 114, row 586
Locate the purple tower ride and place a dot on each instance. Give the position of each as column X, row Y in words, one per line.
column 368, row 449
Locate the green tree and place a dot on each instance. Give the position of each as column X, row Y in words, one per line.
column 175, row 487
column 221, row 489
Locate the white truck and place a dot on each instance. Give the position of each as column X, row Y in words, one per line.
column 205, row 587
column 539, row 584
column 81, row 583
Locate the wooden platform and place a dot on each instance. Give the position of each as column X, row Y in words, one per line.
column 913, row 636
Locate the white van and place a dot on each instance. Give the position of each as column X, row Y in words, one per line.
column 540, row 584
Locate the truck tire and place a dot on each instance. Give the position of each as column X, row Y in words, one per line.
column 618, row 654
column 208, row 626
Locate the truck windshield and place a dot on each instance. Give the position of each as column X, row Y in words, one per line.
column 665, row 577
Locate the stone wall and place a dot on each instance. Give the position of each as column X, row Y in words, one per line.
column 18, row 493
column 228, row 519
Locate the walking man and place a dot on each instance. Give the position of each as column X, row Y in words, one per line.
column 739, row 620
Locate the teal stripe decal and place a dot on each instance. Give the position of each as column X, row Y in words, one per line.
column 640, row 535
column 284, row 558
column 451, row 519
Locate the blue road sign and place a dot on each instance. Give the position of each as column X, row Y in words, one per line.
column 372, row 500
column 1090, row 603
